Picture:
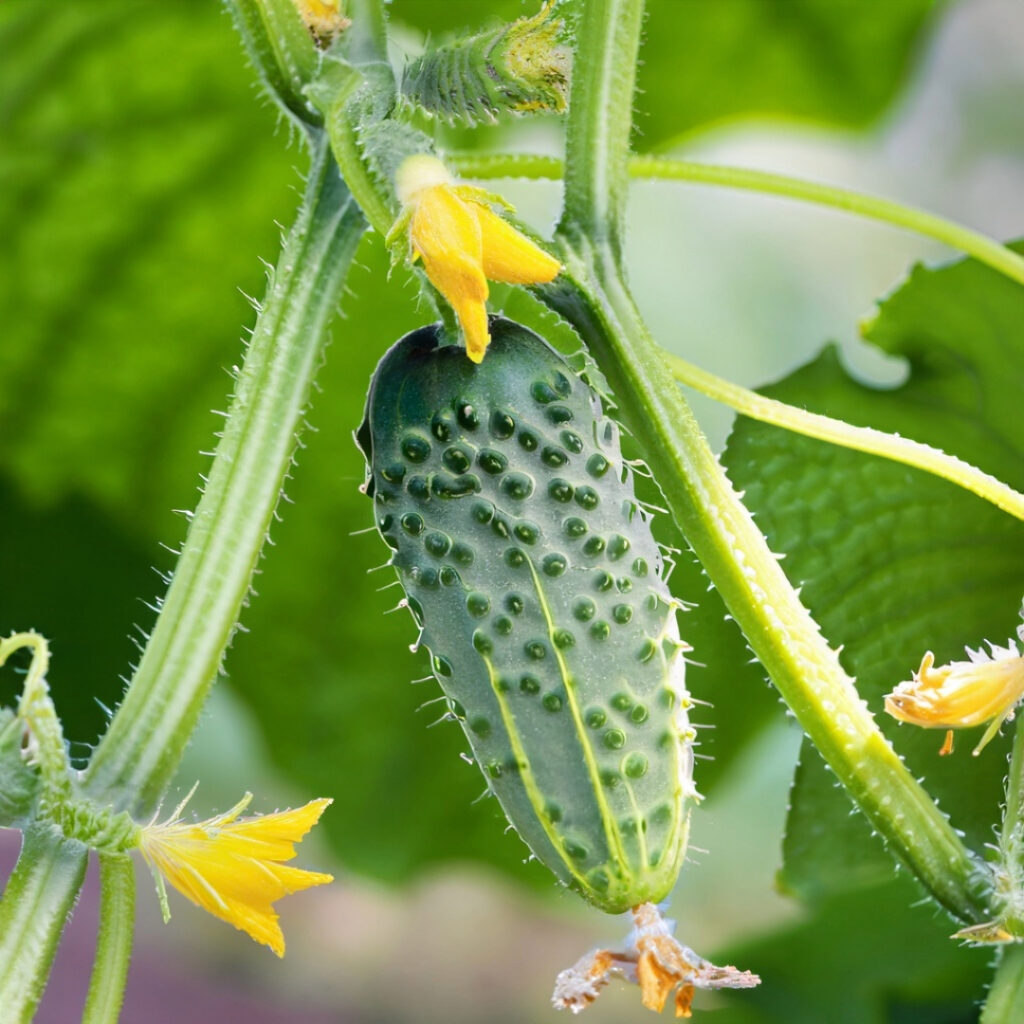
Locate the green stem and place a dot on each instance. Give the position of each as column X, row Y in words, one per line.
column 37, row 902
column 37, row 711
column 281, row 50
column 863, row 439
column 984, row 249
column 140, row 752
column 114, row 946
column 335, row 93
column 1005, row 1001
column 1011, row 840
column 484, row 166
column 367, row 36
column 597, row 135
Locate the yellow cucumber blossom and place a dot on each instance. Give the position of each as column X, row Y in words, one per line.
column 986, row 688
column 463, row 243
column 233, row 867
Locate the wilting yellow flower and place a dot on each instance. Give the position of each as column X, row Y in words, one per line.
column 655, row 960
column 986, row 688
column 233, row 867
column 463, row 243
column 324, row 18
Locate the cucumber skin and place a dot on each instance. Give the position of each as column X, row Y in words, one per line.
column 535, row 577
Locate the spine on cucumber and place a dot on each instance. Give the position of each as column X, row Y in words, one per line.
column 533, row 573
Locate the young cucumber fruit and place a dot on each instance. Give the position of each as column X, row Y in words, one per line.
column 533, row 573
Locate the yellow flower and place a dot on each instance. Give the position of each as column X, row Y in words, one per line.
column 233, row 867
column 463, row 243
column 986, row 688
column 324, row 18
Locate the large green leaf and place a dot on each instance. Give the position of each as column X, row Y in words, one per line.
column 894, row 562
column 139, row 181
column 869, row 957
column 706, row 61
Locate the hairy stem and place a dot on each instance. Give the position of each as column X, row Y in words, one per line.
column 984, row 249
column 281, row 50
column 1010, row 875
column 1005, row 1001
column 114, row 946
column 45, row 732
column 601, row 106
column 36, row 903
column 141, row 750
column 368, row 34
column 335, row 92
column 862, row 439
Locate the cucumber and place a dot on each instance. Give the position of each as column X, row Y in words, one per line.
column 538, row 586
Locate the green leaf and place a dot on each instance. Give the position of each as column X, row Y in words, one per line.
column 815, row 60
column 870, row 957
column 139, row 181
column 894, row 562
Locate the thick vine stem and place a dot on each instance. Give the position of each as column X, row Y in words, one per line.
column 114, row 946
column 36, row 903
column 600, row 122
column 139, row 753
column 1010, row 870
column 335, row 93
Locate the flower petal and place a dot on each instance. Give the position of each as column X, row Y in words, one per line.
column 233, row 868
column 445, row 233
column 509, row 256
column 961, row 694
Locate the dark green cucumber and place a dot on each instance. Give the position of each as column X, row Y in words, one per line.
column 532, row 570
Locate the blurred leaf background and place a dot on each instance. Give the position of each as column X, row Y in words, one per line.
column 141, row 176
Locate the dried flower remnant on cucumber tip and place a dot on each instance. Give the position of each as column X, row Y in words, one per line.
column 655, row 960
column 963, row 694
column 234, row 867
column 463, row 243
